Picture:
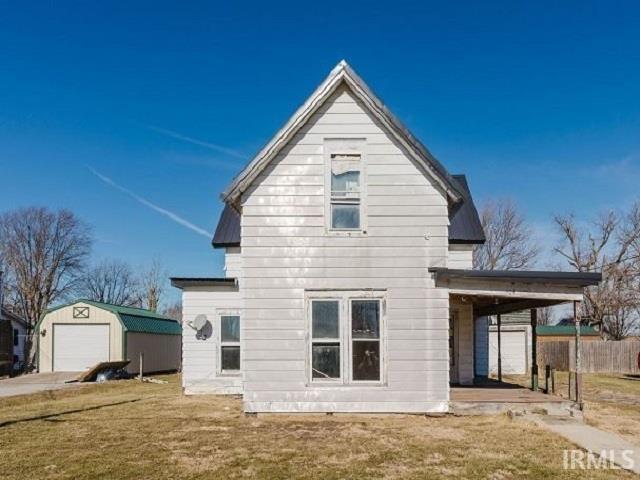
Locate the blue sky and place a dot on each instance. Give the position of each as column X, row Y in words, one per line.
column 538, row 102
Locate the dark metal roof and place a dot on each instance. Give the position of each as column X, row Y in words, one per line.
column 228, row 229
column 578, row 279
column 465, row 226
column 464, row 222
column 183, row 282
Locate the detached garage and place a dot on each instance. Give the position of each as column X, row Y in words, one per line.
column 75, row 337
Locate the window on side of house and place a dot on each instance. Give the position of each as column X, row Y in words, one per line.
column 346, row 192
column 16, row 337
column 325, row 340
column 230, row 344
column 365, row 339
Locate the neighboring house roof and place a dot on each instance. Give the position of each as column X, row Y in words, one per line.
column 464, row 222
column 132, row 319
column 343, row 73
column 565, row 331
column 6, row 314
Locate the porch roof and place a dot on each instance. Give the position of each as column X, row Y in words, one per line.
column 495, row 292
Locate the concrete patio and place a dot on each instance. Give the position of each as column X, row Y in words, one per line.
column 499, row 397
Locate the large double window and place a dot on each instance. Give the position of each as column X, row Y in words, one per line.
column 346, row 339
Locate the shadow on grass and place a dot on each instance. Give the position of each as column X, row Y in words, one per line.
column 51, row 416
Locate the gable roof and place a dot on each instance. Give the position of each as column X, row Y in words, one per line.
column 343, row 73
column 464, row 222
column 133, row 319
column 6, row 314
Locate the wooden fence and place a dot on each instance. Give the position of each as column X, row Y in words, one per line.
column 597, row 357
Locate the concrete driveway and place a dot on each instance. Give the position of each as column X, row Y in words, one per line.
column 37, row 382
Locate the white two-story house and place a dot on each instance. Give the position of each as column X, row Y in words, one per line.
column 348, row 284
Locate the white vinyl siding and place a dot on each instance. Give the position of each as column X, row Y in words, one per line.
column 464, row 342
column 232, row 262
column 460, row 256
column 287, row 251
column 201, row 371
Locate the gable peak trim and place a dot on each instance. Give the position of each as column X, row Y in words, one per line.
column 341, row 73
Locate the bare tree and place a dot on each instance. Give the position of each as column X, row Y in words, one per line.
column 509, row 244
column 110, row 282
column 152, row 285
column 611, row 245
column 545, row 316
column 43, row 253
column 174, row 311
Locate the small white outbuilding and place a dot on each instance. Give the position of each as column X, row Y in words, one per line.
column 77, row 336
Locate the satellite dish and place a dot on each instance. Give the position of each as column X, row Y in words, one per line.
column 199, row 322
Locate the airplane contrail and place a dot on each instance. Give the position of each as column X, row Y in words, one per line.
column 195, row 141
column 163, row 211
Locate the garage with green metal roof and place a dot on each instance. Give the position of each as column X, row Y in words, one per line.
column 79, row 335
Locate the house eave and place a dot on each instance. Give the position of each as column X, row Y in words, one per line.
column 189, row 282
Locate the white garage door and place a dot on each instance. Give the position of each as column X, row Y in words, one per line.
column 514, row 351
column 79, row 347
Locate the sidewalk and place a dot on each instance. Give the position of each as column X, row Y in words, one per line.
column 619, row 451
column 36, row 382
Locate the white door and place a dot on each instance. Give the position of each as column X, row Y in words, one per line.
column 514, row 351
column 79, row 347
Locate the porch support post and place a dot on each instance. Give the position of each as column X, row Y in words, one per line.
column 578, row 359
column 534, row 350
column 499, row 348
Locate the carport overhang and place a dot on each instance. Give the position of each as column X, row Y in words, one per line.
column 497, row 292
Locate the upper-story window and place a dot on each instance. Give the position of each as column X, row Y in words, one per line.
column 346, row 193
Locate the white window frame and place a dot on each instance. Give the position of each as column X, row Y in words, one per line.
column 221, row 371
column 345, row 146
column 352, row 340
column 344, row 297
column 313, row 340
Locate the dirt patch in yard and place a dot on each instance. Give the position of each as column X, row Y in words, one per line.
column 166, row 435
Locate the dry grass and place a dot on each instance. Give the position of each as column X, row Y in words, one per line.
column 611, row 402
column 131, row 430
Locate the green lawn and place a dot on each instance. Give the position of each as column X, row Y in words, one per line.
column 131, row 430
